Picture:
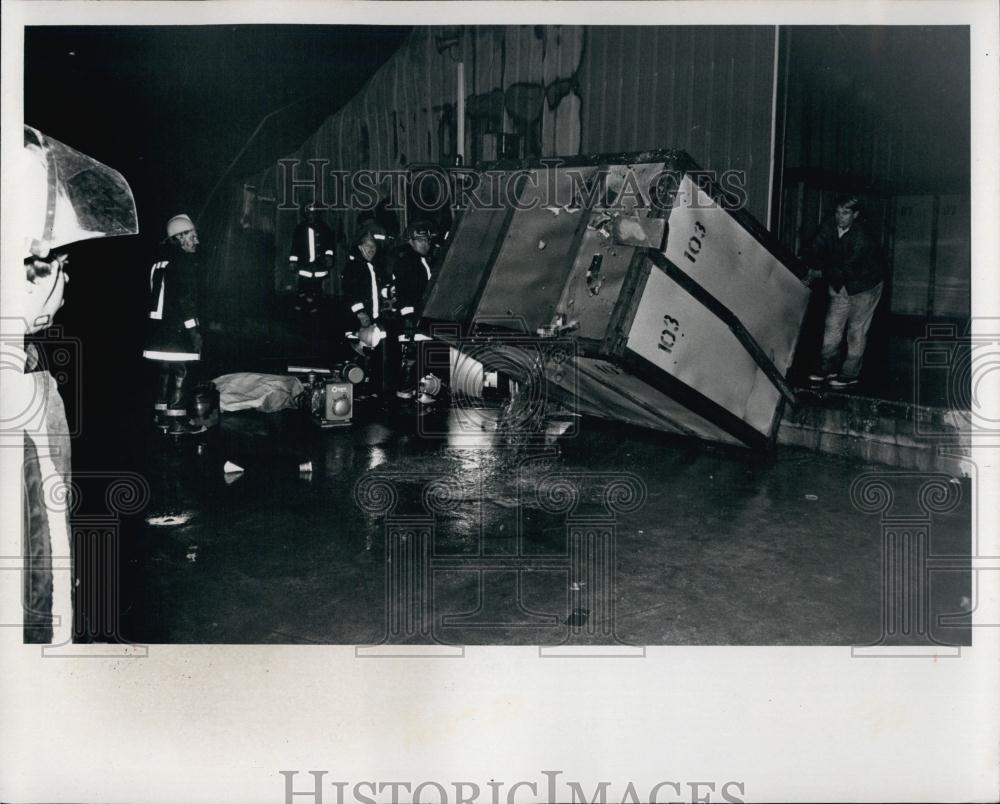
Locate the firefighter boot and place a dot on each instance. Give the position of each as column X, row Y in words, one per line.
column 162, row 392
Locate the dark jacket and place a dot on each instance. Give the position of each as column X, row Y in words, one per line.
column 366, row 286
column 323, row 246
column 173, row 308
column 852, row 261
column 413, row 274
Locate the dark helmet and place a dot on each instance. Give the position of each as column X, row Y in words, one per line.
column 419, row 228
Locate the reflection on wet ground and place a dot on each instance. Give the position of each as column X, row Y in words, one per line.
column 442, row 527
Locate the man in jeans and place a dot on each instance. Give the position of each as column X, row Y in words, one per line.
column 848, row 259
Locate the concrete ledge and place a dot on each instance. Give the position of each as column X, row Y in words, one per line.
column 878, row 431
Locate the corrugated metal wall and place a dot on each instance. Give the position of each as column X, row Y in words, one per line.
column 705, row 89
column 406, row 113
column 887, row 106
column 561, row 90
column 884, row 112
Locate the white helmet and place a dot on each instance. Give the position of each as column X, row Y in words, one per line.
column 179, row 224
column 70, row 197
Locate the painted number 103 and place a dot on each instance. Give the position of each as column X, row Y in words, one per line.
column 669, row 333
column 695, row 241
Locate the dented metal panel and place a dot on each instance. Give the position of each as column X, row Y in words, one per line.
column 537, row 253
column 454, row 295
column 606, row 388
column 683, row 314
column 595, row 285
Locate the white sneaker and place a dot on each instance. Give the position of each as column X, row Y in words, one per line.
column 840, row 382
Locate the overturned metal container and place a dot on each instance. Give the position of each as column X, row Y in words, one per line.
column 680, row 311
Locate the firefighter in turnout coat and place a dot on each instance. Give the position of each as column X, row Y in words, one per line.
column 412, row 275
column 174, row 338
column 367, row 291
column 312, row 258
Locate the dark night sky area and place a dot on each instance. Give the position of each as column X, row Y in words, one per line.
column 170, row 107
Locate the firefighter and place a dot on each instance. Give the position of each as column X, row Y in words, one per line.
column 369, row 223
column 367, row 290
column 64, row 197
column 412, row 275
column 312, row 258
column 174, row 337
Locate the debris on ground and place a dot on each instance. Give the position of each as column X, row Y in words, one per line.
column 169, row 520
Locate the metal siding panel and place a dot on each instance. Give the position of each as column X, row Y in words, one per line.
column 640, row 83
column 682, row 99
column 597, row 90
column 409, row 119
column 685, row 66
column 513, row 62
column 651, row 106
column 426, row 100
column 668, row 114
column 952, row 273
column 397, row 134
column 593, row 90
column 536, row 50
column 758, row 154
column 760, row 75
column 619, row 61
column 856, row 133
column 731, row 161
column 911, row 257
column 706, row 87
column 829, row 130
column 586, row 100
column 640, row 88
column 602, row 111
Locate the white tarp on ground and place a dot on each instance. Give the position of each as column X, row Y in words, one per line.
column 264, row 392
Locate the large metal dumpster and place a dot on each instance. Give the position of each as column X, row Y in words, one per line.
column 683, row 312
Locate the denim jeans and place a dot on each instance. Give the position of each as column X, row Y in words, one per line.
column 853, row 313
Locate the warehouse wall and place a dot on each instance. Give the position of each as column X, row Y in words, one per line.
column 885, row 105
column 544, row 91
column 705, row 89
column 885, row 112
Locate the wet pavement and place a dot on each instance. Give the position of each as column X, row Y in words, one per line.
column 444, row 527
